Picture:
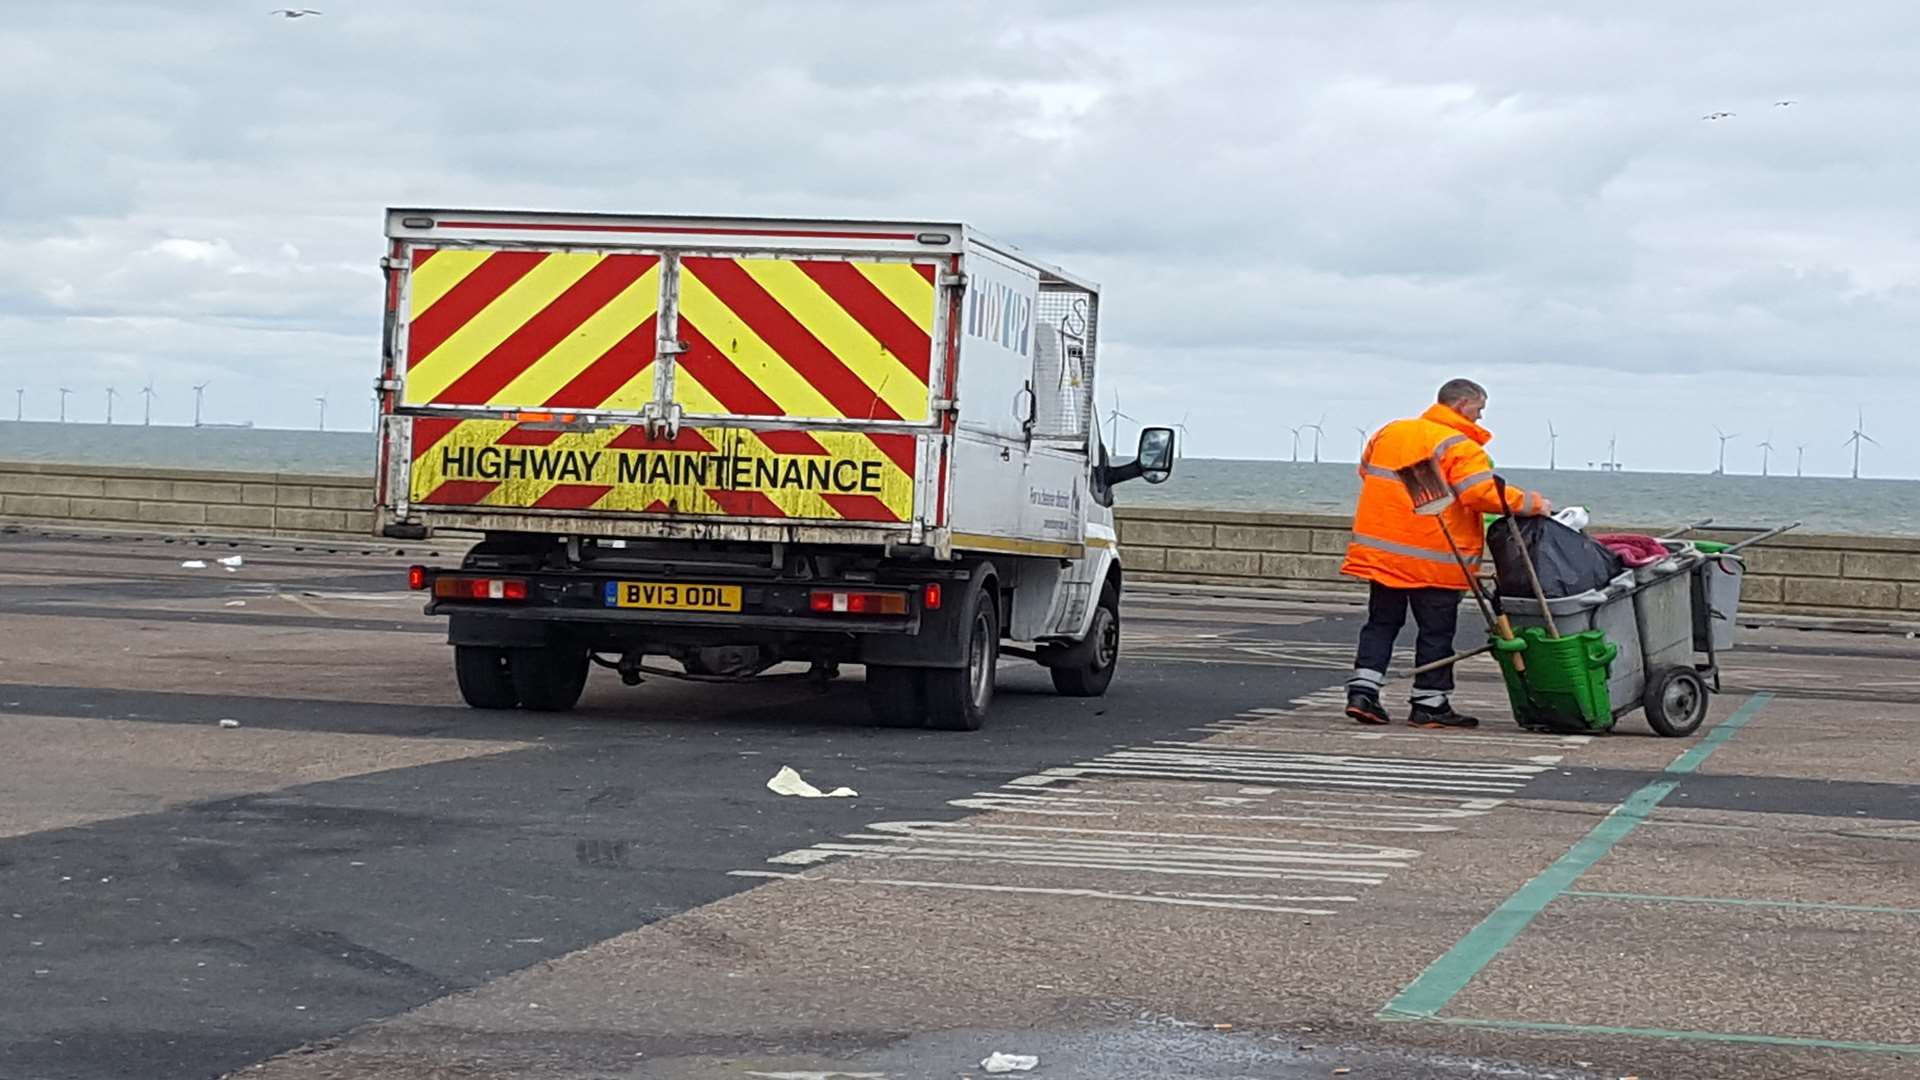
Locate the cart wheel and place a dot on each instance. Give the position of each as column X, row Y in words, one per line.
column 1676, row 702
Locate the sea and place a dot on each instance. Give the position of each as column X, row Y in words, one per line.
column 1647, row 499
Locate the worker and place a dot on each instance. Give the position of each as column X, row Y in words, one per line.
column 1404, row 557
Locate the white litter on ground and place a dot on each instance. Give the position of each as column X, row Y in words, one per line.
column 788, row 782
column 229, row 723
column 233, row 561
column 236, row 603
column 998, row 1062
column 193, row 564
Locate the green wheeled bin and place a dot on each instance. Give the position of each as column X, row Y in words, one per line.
column 1558, row 685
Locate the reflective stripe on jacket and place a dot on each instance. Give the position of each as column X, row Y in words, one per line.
column 1398, row 548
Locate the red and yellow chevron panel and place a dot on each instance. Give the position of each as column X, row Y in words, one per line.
column 716, row 471
column 820, row 339
column 531, row 329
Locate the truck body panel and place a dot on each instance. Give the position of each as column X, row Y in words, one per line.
column 737, row 442
column 871, row 383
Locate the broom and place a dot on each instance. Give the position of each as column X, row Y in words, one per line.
column 1432, row 495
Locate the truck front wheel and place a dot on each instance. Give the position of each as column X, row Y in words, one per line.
column 549, row 678
column 958, row 698
column 1100, row 653
column 483, row 677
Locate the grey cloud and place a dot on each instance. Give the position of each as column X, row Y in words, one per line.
column 1333, row 202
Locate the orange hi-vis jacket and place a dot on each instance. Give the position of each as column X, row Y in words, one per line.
column 1398, row 548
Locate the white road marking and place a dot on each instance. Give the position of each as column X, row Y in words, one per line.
column 1210, row 762
column 1182, row 854
column 1296, row 793
column 1403, row 813
column 1173, row 899
column 302, row 602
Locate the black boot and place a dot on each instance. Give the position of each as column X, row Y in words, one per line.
column 1364, row 706
column 1441, row 718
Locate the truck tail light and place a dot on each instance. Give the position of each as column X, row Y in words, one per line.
column 829, row 602
column 479, row 588
column 932, row 596
column 416, row 578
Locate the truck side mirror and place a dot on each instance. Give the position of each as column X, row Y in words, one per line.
column 1155, row 457
column 1153, row 463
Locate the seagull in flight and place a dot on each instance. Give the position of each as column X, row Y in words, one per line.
column 1784, row 104
column 295, row 13
column 1717, row 116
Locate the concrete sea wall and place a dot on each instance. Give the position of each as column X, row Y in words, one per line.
column 1800, row 573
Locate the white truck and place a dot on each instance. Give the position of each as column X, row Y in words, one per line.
column 738, row 443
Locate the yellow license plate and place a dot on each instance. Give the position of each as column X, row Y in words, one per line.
column 675, row 596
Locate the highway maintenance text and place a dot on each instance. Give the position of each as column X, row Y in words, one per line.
column 669, row 467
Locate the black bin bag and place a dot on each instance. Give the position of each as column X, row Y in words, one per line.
column 1569, row 561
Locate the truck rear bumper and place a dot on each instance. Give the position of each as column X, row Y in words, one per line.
column 574, row 607
column 669, row 621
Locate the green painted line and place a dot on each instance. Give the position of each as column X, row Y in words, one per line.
column 1724, row 730
column 1655, row 898
column 1447, row 976
column 1666, row 1033
column 1451, row 973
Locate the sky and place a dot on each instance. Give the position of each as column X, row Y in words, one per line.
column 1317, row 208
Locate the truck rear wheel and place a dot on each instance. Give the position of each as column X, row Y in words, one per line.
column 483, row 677
column 549, row 678
column 1092, row 677
column 958, row 698
column 897, row 696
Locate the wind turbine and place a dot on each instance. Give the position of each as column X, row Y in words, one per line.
column 1724, row 440
column 322, row 399
column 1113, row 420
column 1180, row 447
column 1859, row 435
column 63, row 403
column 1363, row 440
column 1553, row 447
column 146, row 416
column 1318, row 430
column 1296, row 444
column 111, row 394
column 1613, row 460
column 1800, row 459
column 1766, row 454
column 20, row 403
column 199, row 394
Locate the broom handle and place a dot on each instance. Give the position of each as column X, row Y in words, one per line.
column 1768, row 535
column 1498, row 623
column 1451, row 660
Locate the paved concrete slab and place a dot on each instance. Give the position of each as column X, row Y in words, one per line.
column 63, row 772
column 400, row 887
column 1791, row 974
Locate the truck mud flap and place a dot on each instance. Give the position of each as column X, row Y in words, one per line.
column 497, row 633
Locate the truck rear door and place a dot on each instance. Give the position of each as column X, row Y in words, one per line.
column 667, row 371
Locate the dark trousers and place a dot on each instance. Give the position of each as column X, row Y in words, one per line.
column 1436, row 612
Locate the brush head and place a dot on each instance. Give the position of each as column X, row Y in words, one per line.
column 1429, row 490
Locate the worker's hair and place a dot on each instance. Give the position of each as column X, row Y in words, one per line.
column 1459, row 392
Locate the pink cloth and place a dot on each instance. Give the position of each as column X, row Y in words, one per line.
column 1635, row 551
